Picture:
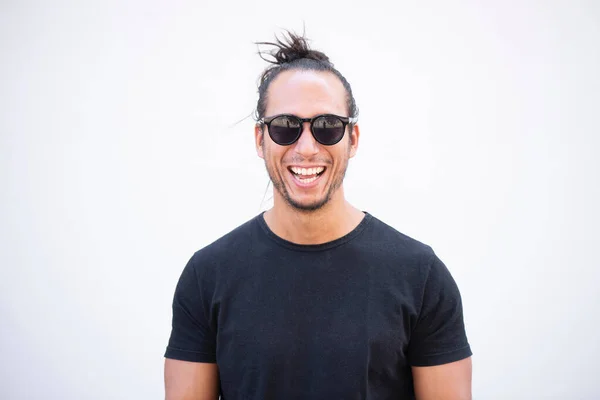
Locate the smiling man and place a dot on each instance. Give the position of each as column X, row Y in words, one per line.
column 314, row 298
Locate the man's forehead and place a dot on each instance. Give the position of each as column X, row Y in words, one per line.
column 306, row 92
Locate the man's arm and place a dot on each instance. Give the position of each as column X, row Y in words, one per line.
column 186, row 380
column 191, row 372
column 450, row 381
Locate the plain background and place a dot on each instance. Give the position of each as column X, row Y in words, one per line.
column 120, row 156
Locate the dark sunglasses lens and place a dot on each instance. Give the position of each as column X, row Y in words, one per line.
column 284, row 130
column 328, row 130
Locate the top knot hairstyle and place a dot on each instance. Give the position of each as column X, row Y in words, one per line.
column 293, row 53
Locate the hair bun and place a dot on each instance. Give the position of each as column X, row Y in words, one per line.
column 292, row 47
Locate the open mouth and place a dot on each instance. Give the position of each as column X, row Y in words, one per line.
column 307, row 175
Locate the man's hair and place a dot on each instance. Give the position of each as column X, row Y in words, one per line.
column 293, row 53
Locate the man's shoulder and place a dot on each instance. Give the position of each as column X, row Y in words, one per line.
column 231, row 245
column 402, row 259
column 387, row 236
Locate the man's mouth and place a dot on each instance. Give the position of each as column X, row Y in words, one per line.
column 306, row 175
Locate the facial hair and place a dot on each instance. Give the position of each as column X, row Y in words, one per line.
column 278, row 184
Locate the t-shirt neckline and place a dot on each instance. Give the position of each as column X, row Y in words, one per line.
column 314, row 247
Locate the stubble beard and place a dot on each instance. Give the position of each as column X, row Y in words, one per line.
column 278, row 184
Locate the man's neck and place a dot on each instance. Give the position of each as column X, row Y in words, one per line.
column 334, row 220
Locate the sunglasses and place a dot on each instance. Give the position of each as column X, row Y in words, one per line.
column 327, row 129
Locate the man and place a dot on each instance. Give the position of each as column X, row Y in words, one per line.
column 314, row 299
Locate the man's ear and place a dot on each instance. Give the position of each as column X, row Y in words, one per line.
column 259, row 137
column 354, row 136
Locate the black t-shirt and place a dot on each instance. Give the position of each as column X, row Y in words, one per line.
column 341, row 320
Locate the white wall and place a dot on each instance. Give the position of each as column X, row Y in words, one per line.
column 119, row 158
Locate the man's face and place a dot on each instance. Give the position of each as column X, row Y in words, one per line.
column 306, row 94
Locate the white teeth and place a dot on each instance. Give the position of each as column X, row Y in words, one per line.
column 307, row 171
column 309, row 180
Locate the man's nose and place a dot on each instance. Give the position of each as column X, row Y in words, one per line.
column 306, row 145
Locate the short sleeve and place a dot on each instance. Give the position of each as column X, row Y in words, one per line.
column 439, row 336
column 192, row 338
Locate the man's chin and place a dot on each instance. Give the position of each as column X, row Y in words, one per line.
column 299, row 202
column 306, row 206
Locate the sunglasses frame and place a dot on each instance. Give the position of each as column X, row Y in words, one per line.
column 345, row 122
